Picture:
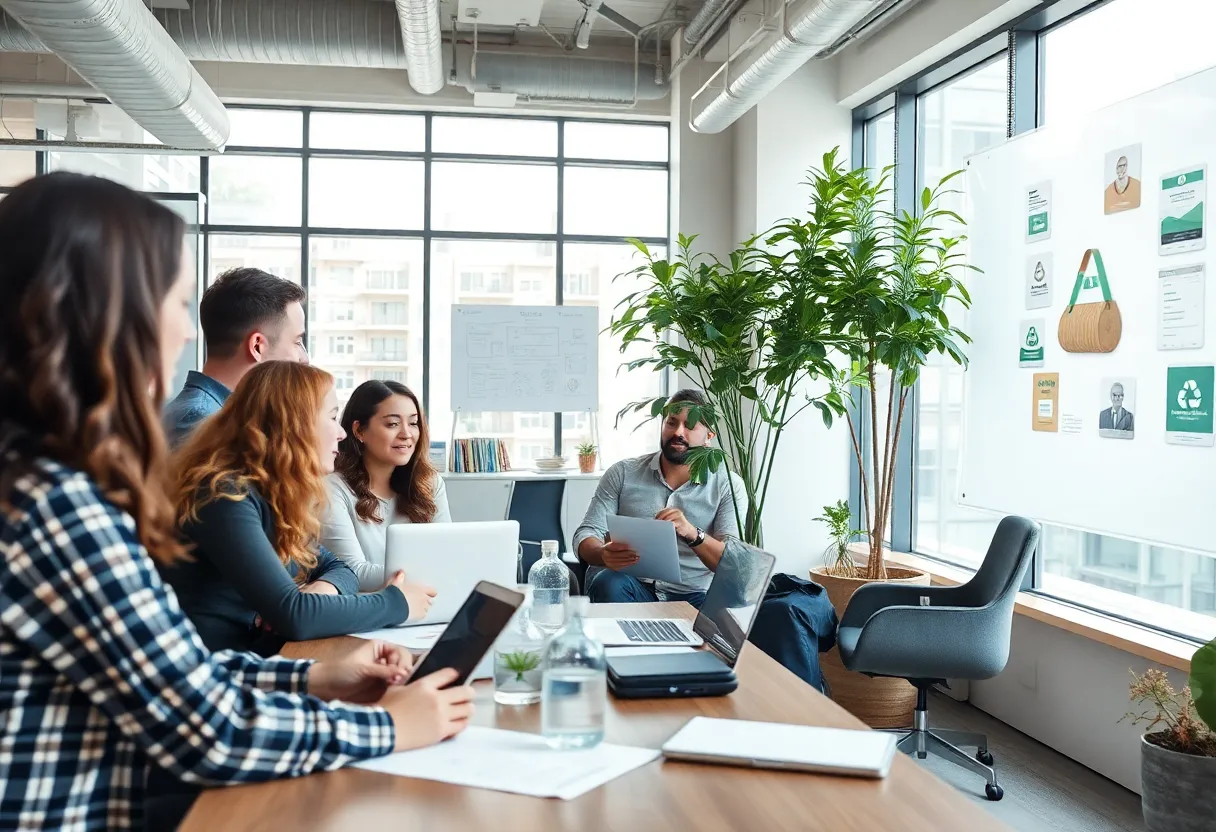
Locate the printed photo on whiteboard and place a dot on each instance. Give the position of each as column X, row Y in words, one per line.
column 1039, row 280
column 1180, row 311
column 1117, row 419
column 1045, row 410
column 1183, row 224
column 1031, row 339
column 1188, row 405
column 1122, row 180
column 1038, row 212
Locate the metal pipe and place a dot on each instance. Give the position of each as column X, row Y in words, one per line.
column 703, row 22
column 45, row 89
column 582, row 36
column 713, row 29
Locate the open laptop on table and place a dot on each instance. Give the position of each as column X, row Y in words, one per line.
column 453, row 558
column 723, row 625
column 726, row 589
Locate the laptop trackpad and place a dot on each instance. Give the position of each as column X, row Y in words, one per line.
column 699, row 663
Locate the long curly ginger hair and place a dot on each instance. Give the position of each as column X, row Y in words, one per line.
column 265, row 437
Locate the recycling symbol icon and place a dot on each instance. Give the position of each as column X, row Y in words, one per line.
column 1032, row 337
column 1190, row 396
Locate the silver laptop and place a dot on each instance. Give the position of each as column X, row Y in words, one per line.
column 453, row 558
column 731, row 602
column 855, row 752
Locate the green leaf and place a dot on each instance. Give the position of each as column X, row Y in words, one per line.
column 1203, row 683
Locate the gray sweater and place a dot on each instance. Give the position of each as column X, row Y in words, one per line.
column 236, row 576
column 362, row 544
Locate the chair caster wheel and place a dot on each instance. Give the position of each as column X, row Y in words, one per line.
column 985, row 757
column 992, row 792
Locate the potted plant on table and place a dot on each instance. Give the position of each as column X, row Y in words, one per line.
column 586, row 457
column 1178, row 760
column 891, row 293
column 752, row 332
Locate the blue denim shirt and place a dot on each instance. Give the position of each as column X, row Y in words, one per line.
column 202, row 396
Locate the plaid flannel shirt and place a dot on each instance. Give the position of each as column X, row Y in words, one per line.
column 101, row 674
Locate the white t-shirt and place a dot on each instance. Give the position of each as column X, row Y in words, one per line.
column 362, row 543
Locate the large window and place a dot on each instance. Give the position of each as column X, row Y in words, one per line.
column 954, row 120
column 522, row 211
column 336, row 200
column 959, row 115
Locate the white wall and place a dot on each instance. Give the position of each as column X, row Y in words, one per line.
column 1069, row 692
column 928, row 32
column 775, row 144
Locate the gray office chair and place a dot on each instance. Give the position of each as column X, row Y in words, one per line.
column 929, row 634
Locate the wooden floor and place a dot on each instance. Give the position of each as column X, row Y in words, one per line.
column 1044, row 790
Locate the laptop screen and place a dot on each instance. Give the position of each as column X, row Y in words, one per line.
column 733, row 599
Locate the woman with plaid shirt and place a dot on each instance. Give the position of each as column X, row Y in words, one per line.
column 101, row 675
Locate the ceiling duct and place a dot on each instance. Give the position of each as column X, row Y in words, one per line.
column 367, row 33
column 422, row 36
column 801, row 34
column 120, row 49
column 705, row 19
column 558, row 78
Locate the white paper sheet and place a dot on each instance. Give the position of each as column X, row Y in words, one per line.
column 420, row 639
column 510, row 761
column 411, row 638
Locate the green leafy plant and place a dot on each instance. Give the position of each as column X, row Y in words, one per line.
column 891, row 294
column 837, row 558
column 1176, row 715
column 752, row 331
column 520, row 663
column 586, row 449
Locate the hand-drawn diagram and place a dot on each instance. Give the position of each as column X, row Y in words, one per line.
column 524, row 358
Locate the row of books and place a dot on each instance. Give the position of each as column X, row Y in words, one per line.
column 480, row 456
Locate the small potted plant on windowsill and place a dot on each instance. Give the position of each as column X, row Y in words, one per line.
column 837, row 558
column 586, row 458
column 1178, row 760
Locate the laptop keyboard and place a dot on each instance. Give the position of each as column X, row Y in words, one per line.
column 652, row 630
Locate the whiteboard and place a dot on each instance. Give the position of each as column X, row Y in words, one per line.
column 1079, row 475
column 525, row 358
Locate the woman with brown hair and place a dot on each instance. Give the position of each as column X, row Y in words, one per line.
column 383, row 476
column 249, row 494
column 101, row 675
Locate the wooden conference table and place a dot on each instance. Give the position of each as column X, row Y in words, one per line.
column 658, row 796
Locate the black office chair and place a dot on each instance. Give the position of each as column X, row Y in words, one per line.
column 929, row 634
column 537, row 506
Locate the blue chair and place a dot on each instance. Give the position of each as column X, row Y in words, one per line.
column 536, row 504
column 930, row 634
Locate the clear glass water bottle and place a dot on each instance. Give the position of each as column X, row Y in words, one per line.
column 574, row 684
column 550, row 582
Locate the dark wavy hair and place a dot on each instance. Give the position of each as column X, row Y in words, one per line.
column 413, row 483
column 85, row 267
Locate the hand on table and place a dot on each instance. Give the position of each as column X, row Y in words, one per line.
column 425, row 712
column 684, row 529
column 363, row 677
column 618, row 555
column 418, row 596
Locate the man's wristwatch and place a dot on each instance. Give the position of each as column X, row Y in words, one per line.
column 696, row 540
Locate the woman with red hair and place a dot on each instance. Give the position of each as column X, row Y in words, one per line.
column 249, row 495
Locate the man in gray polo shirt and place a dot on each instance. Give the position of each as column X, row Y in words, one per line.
column 659, row 485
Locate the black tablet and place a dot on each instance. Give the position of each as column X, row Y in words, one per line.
column 464, row 642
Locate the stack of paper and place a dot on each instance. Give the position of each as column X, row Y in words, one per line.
column 510, row 761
